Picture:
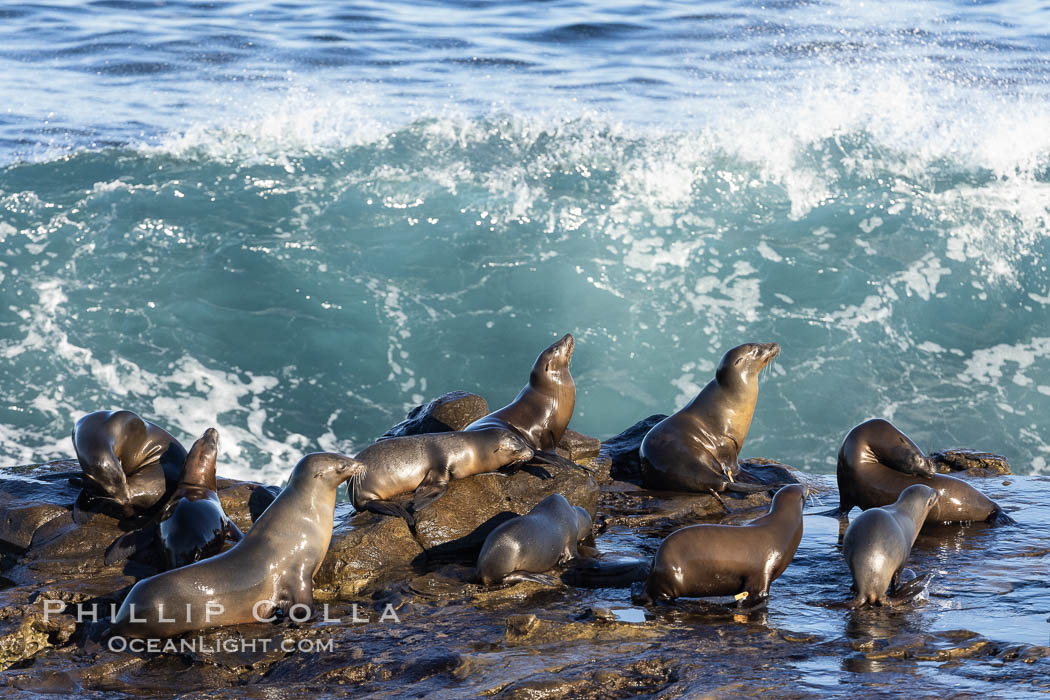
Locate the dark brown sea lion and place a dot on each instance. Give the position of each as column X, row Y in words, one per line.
column 729, row 560
column 271, row 569
column 126, row 460
column 697, row 448
column 542, row 410
column 877, row 462
column 877, row 544
column 425, row 464
column 522, row 547
column 192, row 525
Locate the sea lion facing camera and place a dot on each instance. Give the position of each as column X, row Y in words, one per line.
column 696, row 449
column 426, row 463
column 192, row 525
column 877, row 544
column 522, row 547
column 271, row 569
column 127, row 460
column 877, row 462
column 729, row 560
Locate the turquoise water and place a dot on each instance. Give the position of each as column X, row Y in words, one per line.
column 296, row 221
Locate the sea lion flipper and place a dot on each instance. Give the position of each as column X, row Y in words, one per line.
column 999, row 517
column 519, row 576
column 834, row 513
column 129, row 544
column 389, row 508
column 233, row 533
column 909, row 590
column 551, row 457
column 433, row 487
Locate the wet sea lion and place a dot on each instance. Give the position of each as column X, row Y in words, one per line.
column 192, row 525
column 877, row 544
column 126, row 460
column 696, row 449
column 522, row 547
column 426, row 463
column 877, row 462
column 542, row 410
column 722, row 560
column 271, row 569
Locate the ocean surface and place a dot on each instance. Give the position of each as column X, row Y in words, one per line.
column 296, row 220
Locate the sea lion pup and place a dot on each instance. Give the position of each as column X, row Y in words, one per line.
column 426, row 463
column 530, row 544
column 126, row 460
column 879, row 541
column 877, row 462
column 271, row 569
column 697, row 448
column 192, row 525
column 723, row 560
column 542, row 410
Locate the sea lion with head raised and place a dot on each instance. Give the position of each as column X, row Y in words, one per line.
column 877, row 462
column 271, row 569
column 879, row 541
column 522, row 547
column 542, row 410
column 127, row 460
column 192, row 525
column 729, row 560
column 697, row 448
column 425, row 464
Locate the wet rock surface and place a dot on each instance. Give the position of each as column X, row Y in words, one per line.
column 452, row 411
column 970, row 461
column 423, row 627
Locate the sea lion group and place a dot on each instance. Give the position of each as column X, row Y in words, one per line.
column 141, row 471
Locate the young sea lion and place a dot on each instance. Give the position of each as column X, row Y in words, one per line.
column 530, row 544
column 426, row 463
column 877, row 544
column 192, row 525
column 542, row 410
column 126, row 460
column 877, row 462
column 723, row 560
column 697, row 448
column 271, row 569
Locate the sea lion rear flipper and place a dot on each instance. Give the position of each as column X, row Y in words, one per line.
column 433, row 487
column 518, row 576
column 551, row 457
column 128, row 544
column 999, row 517
column 739, row 487
column 835, row 513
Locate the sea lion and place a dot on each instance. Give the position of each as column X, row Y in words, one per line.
column 426, row 463
column 127, row 460
column 271, row 569
column 722, row 560
column 538, row 541
column 879, row 541
column 877, row 462
column 192, row 525
column 696, row 449
column 542, row 410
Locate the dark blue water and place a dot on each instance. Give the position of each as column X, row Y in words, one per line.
column 295, row 220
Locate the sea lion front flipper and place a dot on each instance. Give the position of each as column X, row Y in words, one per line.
column 551, row 457
column 389, row 508
column 909, row 590
column 433, row 487
column 999, row 517
column 519, row 576
column 129, row 544
column 740, row 487
column 835, row 513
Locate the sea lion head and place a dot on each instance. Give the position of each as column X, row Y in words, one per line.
column 106, row 478
column 743, row 363
column 556, row 357
column 513, row 447
column 920, row 495
column 330, row 467
column 904, row 455
column 792, row 494
column 199, row 468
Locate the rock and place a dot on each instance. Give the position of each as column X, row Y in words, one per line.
column 31, row 496
column 622, row 450
column 976, row 463
column 27, row 630
column 578, row 447
column 452, row 411
column 364, row 549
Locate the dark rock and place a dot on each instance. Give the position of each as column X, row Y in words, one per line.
column 976, row 463
column 622, row 450
column 32, row 496
column 452, row 411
